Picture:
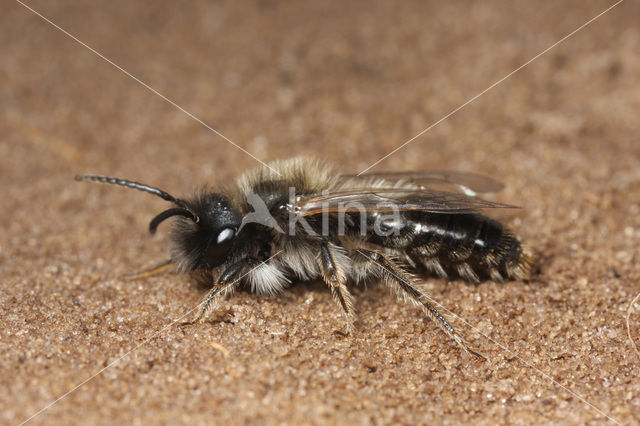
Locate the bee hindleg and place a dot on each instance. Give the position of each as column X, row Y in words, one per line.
column 226, row 283
column 393, row 273
column 334, row 275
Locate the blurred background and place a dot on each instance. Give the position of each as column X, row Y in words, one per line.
column 346, row 81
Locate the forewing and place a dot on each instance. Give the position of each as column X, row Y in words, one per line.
column 392, row 199
column 469, row 183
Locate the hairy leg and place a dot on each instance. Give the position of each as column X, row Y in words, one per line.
column 333, row 264
column 227, row 282
column 394, row 274
column 155, row 269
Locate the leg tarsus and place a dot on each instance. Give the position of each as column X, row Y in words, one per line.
column 335, row 277
column 403, row 282
column 226, row 283
column 149, row 272
column 206, row 307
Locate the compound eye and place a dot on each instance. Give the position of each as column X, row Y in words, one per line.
column 225, row 234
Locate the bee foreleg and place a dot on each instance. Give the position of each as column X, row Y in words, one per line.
column 394, row 274
column 333, row 273
column 153, row 270
column 226, row 283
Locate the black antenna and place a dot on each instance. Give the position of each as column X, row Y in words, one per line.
column 185, row 211
column 153, row 225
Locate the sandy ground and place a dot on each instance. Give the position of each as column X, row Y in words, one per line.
column 348, row 82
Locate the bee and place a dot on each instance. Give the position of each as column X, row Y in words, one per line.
column 300, row 219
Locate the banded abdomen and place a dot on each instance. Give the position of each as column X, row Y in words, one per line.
column 471, row 245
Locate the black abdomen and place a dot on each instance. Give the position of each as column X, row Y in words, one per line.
column 467, row 244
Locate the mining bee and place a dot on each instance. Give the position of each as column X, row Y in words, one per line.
column 299, row 219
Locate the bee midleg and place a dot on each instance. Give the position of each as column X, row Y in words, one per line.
column 395, row 274
column 225, row 284
column 333, row 263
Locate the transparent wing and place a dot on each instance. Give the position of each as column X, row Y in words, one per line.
column 374, row 199
column 469, row 183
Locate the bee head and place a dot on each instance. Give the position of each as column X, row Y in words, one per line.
column 203, row 235
column 206, row 242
